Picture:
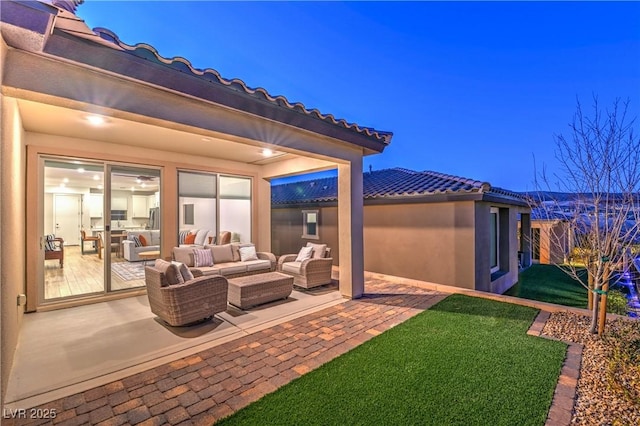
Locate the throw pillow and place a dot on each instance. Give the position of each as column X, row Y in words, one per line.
column 170, row 271
column 136, row 240
column 319, row 250
column 182, row 236
column 202, row 257
column 183, row 255
column 49, row 244
column 190, row 239
column 143, row 240
column 222, row 254
column 184, row 271
column 248, row 253
column 304, row 254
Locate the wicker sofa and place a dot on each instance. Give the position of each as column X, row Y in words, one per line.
column 227, row 261
column 187, row 303
column 308, row 273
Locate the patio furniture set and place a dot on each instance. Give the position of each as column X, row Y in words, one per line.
column 201, row 281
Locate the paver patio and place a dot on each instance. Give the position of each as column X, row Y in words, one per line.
column 216, row 382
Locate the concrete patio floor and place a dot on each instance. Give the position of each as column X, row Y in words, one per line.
column 219, row 378
column 68, row 351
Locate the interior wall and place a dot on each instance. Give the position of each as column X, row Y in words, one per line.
column 12, row 232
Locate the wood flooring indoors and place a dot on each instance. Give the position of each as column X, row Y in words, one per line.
column 81, row 275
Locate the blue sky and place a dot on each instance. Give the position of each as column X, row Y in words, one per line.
column 474, row 89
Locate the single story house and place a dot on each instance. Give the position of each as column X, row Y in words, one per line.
column 424, row 225
column 104, row 137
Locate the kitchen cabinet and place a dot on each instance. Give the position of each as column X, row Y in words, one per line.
column 96, row 203
column 118, row 202
column 139, row 206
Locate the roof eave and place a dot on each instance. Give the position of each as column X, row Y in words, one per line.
column 102, row 56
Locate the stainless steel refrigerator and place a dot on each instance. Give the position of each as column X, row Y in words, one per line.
column 154, row 218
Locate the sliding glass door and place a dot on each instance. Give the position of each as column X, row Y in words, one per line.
column 97, row 233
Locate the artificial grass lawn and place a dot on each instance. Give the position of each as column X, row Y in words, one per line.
column 465, row 361
column 547, row 283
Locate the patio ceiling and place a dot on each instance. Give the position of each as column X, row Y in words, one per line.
column 49, row 119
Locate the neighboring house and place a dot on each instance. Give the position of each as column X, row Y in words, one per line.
column 98, row 135
column 426, row 226
column 551, row 241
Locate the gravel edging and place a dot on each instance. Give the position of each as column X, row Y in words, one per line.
column 561, row 410
column 595, row 403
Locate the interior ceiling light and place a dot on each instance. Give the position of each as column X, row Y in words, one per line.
column 267, row 152
column 100, row 187
column 96, row 120
column 80, row 170
column 96, row 177
column 144, row 185
column 65, row 180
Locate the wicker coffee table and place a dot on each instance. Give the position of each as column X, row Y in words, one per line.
column 254, row 290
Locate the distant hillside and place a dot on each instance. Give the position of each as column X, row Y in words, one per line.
column 564, row 196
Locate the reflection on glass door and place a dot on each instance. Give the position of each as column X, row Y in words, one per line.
column 133, row 233
column 72, row 226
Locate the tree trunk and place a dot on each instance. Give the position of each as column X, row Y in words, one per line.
column 603, row 308
column 594, row 313
column 589, row 292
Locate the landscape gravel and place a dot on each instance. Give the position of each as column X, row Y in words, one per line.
column 599, row 398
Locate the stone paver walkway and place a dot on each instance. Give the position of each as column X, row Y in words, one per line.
column 214, row 383
column 202, row 388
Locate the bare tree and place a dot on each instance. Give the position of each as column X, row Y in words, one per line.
column 600, row 169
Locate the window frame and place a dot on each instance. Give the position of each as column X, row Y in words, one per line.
column 306, row 222
column 494, row 237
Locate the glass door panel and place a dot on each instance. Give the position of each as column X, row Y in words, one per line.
column 133, row 234
column 72, row 224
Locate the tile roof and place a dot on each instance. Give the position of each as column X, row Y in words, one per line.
column 147, row 52
column 386, row 184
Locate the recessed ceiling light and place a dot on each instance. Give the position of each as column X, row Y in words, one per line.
column 96, row 120
column 144, row 185
column 96, row 177
column 80, row 170
column 267, row 152
column 65, row 180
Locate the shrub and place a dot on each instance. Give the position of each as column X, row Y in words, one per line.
column 617, row 303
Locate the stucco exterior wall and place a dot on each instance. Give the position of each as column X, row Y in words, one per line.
column 553, row 241
column 12, row 232
column 430, row 242
column 286, row 230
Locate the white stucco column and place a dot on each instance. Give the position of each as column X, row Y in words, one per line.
column 525, row 239
column 350, row 228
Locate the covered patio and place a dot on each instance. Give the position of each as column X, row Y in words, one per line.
column 75, row 95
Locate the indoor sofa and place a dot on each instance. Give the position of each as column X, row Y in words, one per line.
column 229, row 260
column 132, row 247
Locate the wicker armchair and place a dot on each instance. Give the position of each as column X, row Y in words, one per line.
column 310, row 272
column 184, row 304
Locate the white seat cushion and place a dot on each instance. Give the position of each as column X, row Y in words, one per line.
column 257, row 265
column 292, row 267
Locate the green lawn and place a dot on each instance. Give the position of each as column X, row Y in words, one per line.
column 466, row 361
column 547, row 283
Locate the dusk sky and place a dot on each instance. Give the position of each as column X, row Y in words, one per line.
column 474, row 89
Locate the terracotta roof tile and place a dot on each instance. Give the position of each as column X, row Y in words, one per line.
column 387, row 183
column 149, row 53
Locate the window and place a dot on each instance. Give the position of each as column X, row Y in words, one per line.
column 494, row 237
column 188, row 214
column 310, row 224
